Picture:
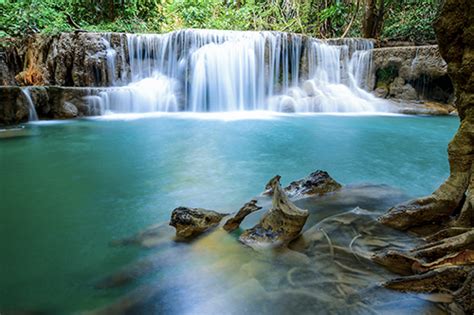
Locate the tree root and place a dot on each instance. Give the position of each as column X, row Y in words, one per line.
column 444, row 247
column 464, row 297
column 445, row 233
column 455, row 193
column 280, row 225
column 395, row 261
column 438, row 280
column 466, row 257
column 417, row 212
column 234, row 222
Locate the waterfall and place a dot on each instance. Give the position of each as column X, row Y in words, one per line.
column 212, row 70
column 32, row 115
column 110, row 56
column 339, row 73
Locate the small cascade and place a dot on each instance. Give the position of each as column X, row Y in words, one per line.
column 32, row 114
column 153, row 94
column 215, row 71
column 339, row 74
column 110, row 54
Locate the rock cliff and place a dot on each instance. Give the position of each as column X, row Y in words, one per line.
column 412, row 73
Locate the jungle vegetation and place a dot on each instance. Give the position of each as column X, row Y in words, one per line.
column 406, row 20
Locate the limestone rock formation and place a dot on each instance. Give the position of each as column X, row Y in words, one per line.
column 13, row 106
column 66, row 59
column 401, row 90
column 280, row 225
column 190, row 222
column 412, row 73
column 423, row 108
column 51, row 102
column 315, row 184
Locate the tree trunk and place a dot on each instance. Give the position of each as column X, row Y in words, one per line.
column 369, row 19
column 373, row 18
column 447, row 261
column 454, row 199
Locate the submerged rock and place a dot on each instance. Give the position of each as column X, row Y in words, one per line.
column 234, row 222
column 280, row 225
column 190, row 222
column 316, row 183
column 423, row 108
column 152, row 236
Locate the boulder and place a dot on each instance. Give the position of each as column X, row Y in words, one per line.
column 288, row 105
column 280, row 225
column 68, row 110
column 381, row 91
column 152, row 236
column 401, row 90
column 190, row 222
column 317, row 183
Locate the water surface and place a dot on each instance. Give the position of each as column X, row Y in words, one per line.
column 70, row 188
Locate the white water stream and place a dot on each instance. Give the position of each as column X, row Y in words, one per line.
column 221, row 71
column 32, row 115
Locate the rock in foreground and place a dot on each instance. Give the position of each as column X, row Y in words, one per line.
column 190, row 222
column 316, row 183
column 280, row 225
column 234, row 222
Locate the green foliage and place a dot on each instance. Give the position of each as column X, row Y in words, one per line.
column 411, row 20
column 404, row 19
column 21, row 17
column 386, row 75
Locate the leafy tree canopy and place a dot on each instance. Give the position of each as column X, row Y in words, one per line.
column 394, row 19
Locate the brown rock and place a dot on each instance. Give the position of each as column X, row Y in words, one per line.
column 316, row 183
column 280, row 225
column 234, row 222
column 190, row 222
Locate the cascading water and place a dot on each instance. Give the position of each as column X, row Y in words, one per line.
column 32, row 115
column 210, row 70
column 338, row 74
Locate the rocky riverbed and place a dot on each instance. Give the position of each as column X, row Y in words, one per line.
column 329, row 266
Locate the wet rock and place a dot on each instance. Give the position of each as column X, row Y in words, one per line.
column 66, row 59
column 14, row 132
column 280, row 225
column 422, row 108
column 234, row 222
column 52, row 102
column 152, row 236
column 68, row 110
column 315, row 184
column 288, row 104
column 401, row 90
column 310, row 88
column 13, row 106
column 411, row 61
column 414, row 68
column 190, row 222
column 381, row 91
